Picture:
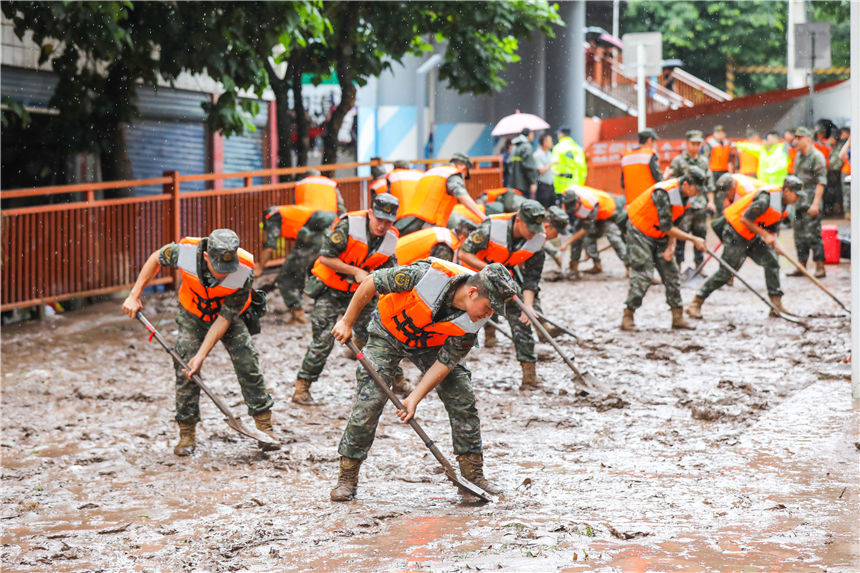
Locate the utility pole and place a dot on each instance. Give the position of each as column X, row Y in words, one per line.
column 796, row 15
column 855, row 197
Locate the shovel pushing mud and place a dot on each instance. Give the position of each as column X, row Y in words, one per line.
column 462, row 484
column 231, row 420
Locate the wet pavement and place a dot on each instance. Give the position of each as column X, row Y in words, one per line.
column 732, row 447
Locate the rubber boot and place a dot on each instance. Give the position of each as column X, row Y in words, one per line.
column 627, row 320
column 777, row 302
column 347, row 480
column 298, row 315
column 302, row 393
column 187, row 439
column 472, row 468
column 399, row 386
column 489, row 336
column 695, row 308
column 263, row 422
column 819, row 270
column 596, row 268
column 529, row 375
column 796, row 272
column 573, row 271
column 678, row 320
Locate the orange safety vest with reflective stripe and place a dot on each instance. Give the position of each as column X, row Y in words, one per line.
column 792, row 154
column 203, row 302
column 379, row 186
column 318, row 192
column 720, row 153
column 636, row 166
column 748, row 161
column 498, row 251
column 431, row 202
column 746, row 185
column 417, row 246
column 463, row 211
column 591, row 198
column 293, row 218
column 493, row 194
column 402, row 184
column 773, row 215
column 357, row 252
column 643, row 214
column 408, row 316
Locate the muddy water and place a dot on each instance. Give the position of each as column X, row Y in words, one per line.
column 732, row 447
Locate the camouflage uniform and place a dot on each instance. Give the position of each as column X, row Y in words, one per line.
column 736, row 249
column 386, row 352
column 237, row 341
column 293, row 274
column 527, row 276
column 811, row 168
column 331, row 304
column 507, row 202
column 644, row 253
column 456, row 186
column 610, row 228
column 695, row 219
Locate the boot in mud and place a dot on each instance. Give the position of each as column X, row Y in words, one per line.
column 573, row 271
column 187, row 439
column 347, row 480
column 777, row 302
column 819, row 270
column 695, row 308
column 302, row 393
column 553, row 331
column 489, row 336
column 678, row 320
column 297, row 315
column 472, row 468
column 627, row 320
column 530, row 381
column 399, row 386
column 263, row 421
column 596, row 268
column 797, row 272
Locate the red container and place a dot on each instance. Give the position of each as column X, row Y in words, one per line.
column 832, row 244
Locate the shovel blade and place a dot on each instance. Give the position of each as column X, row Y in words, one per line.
column 468, row 488
column 246, row 431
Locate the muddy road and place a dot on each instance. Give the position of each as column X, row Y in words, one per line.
column 734, row 446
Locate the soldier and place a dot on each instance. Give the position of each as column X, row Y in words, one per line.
column 319, row 192
column 433, row 242
column 379, row 183
column 695, row 219
column 438, row 190
column 430, row 313
column 556, row 223
column 401, row 182
column 358, row 243
column 501, row 200
column 651, row 222
column 514, row 240
column 216, row 289
column 811, row 167
column 748, row 228
column 596, row 213
column 734, row 186
column 718, row 150
column 640, row 167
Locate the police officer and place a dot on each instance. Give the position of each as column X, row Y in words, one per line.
column 569, row 163
column 216, row 289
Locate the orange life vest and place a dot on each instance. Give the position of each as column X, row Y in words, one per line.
column 792, row 154
column 379, row 186
column 846, row 166
column 720, row 153
column 417, row 246
column 591, row 198
column 293, row 218
column 431, row 202
column 408, row 316
column 357, row 252
column 773, row 215
column 317, row 192
column 636, row 167
column 825, row 151
column 199, row 300
column 402, row 184
column 498, row 251
column 462, row 210
column 493, row 194
column 643, row 214
column 746, row 185
column 748, row 162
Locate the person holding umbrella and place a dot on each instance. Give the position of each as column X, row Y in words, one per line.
column 522, row 166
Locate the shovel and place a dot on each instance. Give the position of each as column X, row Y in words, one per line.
column 778, row 312
column 231, row 420
column 689, row 281
column 463, row 484
column 567, row 331
column 814, row 280
column 585, row 377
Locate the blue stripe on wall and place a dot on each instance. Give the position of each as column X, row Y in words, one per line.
column 441, row 132
column 484, row 144
column 397, row 127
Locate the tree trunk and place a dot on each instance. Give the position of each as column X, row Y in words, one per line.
column 346, row 51
column 302, row 125
column 281, row 90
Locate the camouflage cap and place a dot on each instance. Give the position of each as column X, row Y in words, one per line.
column 570, row 196
column 377, row 171
column 532, row 213
column 725, row 183
column 402, row 164
column 558, row 218
column 719, row 127
column 500, row 284
column 313, row 173
column 696, row 175
column 222, row 246
column 462, row 158
column 694, row 135
column 792, row 183
column 385, row 206
column 803, row 132
column 648, row 132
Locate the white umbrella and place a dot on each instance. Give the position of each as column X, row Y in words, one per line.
column 516, row 122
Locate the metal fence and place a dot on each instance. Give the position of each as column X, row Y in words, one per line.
column 90, row 247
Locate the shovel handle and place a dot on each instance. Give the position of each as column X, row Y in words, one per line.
column 814, row 280
column 703, row 263
column 567, row 331
column 543, row 331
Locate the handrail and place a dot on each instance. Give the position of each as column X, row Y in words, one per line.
column 673, row 98
column 698, row 83
column 81, row 187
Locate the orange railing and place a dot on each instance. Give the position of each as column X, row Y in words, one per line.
column 91, row 246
